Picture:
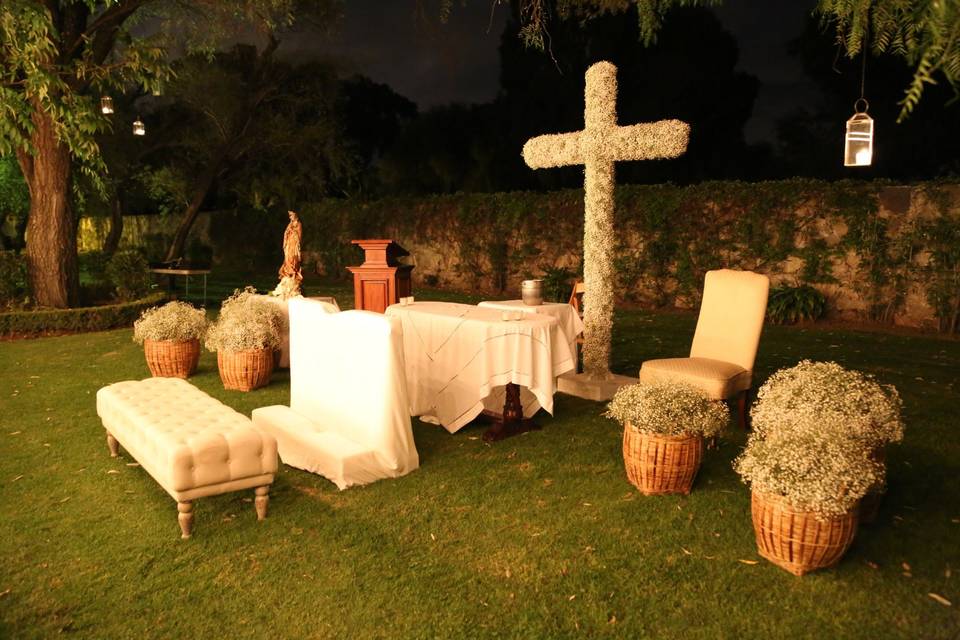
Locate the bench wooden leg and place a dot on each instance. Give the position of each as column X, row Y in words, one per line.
column 261, row 501
column 113, row 444
column 185, row 518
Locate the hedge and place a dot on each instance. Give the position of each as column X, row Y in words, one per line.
column 39, row 322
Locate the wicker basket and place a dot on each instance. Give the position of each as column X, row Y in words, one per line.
column 245, row 370
column 658, row 464
column 172, row 358
column 796, row 540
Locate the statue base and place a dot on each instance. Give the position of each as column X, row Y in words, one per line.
column 289, row 287
column 588, row 387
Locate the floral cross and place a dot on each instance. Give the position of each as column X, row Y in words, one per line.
column 598, row 146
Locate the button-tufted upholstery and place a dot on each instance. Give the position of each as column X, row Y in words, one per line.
column 192, row 444
column 349, row 417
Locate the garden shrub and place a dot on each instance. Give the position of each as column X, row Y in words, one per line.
column 93, row 267
column 41, row 321
column 789, row 305
column 13, row 277
column 129, row 273
column 557, row 283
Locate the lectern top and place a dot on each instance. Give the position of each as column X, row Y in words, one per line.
column 381, row 251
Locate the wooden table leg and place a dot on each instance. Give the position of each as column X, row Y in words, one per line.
column 513, row 421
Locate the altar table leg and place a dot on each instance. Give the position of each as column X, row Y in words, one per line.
column 513, row 421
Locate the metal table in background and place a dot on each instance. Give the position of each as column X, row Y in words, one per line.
column 164, row 271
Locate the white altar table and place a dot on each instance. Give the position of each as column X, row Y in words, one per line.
column 568, row 320
column 459, row 359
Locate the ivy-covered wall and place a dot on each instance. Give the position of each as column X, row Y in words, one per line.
column 880, row 252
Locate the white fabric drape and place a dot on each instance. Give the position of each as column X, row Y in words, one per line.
column 568, row 320
column 347, row 418
column 459, row 357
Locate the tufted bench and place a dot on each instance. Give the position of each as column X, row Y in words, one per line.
column 191, row 444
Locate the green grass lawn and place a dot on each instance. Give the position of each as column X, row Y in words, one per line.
column 536, row 536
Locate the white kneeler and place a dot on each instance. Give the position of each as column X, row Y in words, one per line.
column 348, row 418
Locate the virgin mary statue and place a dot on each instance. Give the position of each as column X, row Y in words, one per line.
column 290, row 274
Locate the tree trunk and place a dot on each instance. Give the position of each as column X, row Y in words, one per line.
column 116, row 226
column 193, row 209
column 51, row 230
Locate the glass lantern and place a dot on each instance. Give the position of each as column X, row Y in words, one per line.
column 106, row 105
column 139, row 129
column 858, row 147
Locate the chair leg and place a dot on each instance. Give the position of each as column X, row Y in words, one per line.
column 743, row 401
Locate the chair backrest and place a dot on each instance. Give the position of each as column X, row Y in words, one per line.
column 347, row 375
column 731, row 317
column 576, row 296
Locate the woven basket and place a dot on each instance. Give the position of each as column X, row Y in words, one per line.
column 245, row 370
column 658, row 464
column 796, row 540
column 172, row 358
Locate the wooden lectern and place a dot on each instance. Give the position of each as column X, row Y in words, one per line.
column 381, row 280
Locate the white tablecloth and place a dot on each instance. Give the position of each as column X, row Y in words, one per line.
column 568, row 320
column 459, row 357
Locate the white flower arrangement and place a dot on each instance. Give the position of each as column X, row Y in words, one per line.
column 246, row 321
column 602, row 143
column 175, row 321
column 816, row 473
column 817, row 397
column 667, row 409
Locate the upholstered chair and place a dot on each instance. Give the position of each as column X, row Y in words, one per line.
column 725, row 342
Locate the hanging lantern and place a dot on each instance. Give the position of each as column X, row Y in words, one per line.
column 858, row 149
column 106, row 105
column 139, row 129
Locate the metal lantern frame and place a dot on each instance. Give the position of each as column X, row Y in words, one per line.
column 106, row 105
column 139, row 129
column 858, row 141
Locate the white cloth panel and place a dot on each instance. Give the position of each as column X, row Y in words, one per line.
column 330, row 306
column 348, row 416
column 459, row 357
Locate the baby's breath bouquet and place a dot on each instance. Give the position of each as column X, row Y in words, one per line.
column 174, row 321
column 246, row 322
column 816, row 473
column 813, row 397
column 667, row 409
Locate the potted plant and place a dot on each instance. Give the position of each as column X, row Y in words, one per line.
column 664, row 426
column 805, row 490
column 813, row 397
column 170, row 335
column 245, row 335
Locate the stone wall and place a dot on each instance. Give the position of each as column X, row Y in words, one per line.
column 870, row 248
column 879, row 252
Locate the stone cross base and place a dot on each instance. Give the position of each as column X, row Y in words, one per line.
column 588, row 387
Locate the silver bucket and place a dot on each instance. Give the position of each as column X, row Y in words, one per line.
column 531, row 291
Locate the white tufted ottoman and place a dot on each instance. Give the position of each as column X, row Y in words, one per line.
column 193, row 445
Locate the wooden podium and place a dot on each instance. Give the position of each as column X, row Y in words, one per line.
column 381, row 280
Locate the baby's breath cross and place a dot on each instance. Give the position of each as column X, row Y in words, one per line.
column 598, row 146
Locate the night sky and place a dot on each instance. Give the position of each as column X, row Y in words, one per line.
column 434, row 64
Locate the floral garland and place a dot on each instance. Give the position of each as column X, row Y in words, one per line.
column 598, row 147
